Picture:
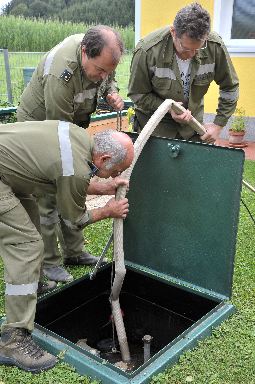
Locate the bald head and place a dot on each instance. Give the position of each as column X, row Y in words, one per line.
column 103, row 37
column 116, row 148
column 126, row 143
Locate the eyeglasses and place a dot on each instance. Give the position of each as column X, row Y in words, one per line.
column 204, row 46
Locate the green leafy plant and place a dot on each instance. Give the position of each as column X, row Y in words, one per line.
column 7, row 117
column 239, row 121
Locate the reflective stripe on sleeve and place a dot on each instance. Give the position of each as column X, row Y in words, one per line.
column 70, row 225
column 163, row 72
column 80, row 224
column 230, row 95
column 84, row 220
column 65, row 148
column 87, row 94
column 205, row 68
column 50, row 57
column 21, row 289
column 52, row 218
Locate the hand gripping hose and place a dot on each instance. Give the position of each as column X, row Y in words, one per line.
column 120, row 269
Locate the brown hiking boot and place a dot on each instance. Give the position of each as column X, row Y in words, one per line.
column 18, row 348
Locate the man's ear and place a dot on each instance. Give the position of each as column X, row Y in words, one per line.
column 106, row 157
column 172, row 31
column 103, row 158
column 83, row 49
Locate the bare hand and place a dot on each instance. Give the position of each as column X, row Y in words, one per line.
column 184, row 117
column 120, row 181
column 112, row 185
column 212, row 134
column 118, row 209
column 115, row 101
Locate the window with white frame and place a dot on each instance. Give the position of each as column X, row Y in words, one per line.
column 234, row 21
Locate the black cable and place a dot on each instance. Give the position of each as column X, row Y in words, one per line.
column 248, row 211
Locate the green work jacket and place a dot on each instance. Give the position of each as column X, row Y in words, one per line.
column 60, row 89
column 49, row 157
column 155, row 77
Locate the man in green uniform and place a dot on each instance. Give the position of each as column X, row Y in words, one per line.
column 65, row 86
column 59, row 158
column 179, row 63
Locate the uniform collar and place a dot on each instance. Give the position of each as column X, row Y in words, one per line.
column 168, row 49
column 92, row 166
column 201, row 55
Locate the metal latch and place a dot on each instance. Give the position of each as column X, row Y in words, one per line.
column 174, row 149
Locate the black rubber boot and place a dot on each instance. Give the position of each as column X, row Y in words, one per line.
column 18, row 348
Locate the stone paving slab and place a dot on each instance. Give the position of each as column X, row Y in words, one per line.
column 249, row 149
column 95, row 201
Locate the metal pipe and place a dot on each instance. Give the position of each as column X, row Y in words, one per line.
column 92, row 275
column 248, row 186
column 147, row 339
column 8, row 75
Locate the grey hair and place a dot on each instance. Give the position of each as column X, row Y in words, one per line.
column 95, row 39
column 105, row 143
column 192, row 20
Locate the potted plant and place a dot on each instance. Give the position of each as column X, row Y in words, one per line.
column 237, row 129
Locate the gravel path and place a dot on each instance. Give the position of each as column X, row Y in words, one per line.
column 94, row 201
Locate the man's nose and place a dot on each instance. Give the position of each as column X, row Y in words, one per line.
column 192, row 53
column 116, row 173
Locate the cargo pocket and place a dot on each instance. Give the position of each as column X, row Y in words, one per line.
column 161, row 83
column 162, row 86
column 8, row 201
column 200, row 85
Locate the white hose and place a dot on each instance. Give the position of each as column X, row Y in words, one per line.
column 120, row 269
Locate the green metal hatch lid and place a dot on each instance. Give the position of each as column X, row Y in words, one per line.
column 184, row 206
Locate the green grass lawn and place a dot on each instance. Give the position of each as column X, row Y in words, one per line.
column 227, row 357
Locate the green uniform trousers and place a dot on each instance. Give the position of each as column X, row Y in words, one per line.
column 52, row 228
column 21, row 248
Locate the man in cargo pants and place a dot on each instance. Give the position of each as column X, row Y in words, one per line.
column 179, row 62
column 65, row 86
column 59, row 158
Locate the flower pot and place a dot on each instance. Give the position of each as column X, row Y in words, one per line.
column 236, row 139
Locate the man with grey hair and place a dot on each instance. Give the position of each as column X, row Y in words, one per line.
column 106, row 143
column 66, row 85
column 54, row 157
column 179, row 62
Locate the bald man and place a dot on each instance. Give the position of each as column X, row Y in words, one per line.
column 37, row 158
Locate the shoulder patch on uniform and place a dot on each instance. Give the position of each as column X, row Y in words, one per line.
column 66, row 75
